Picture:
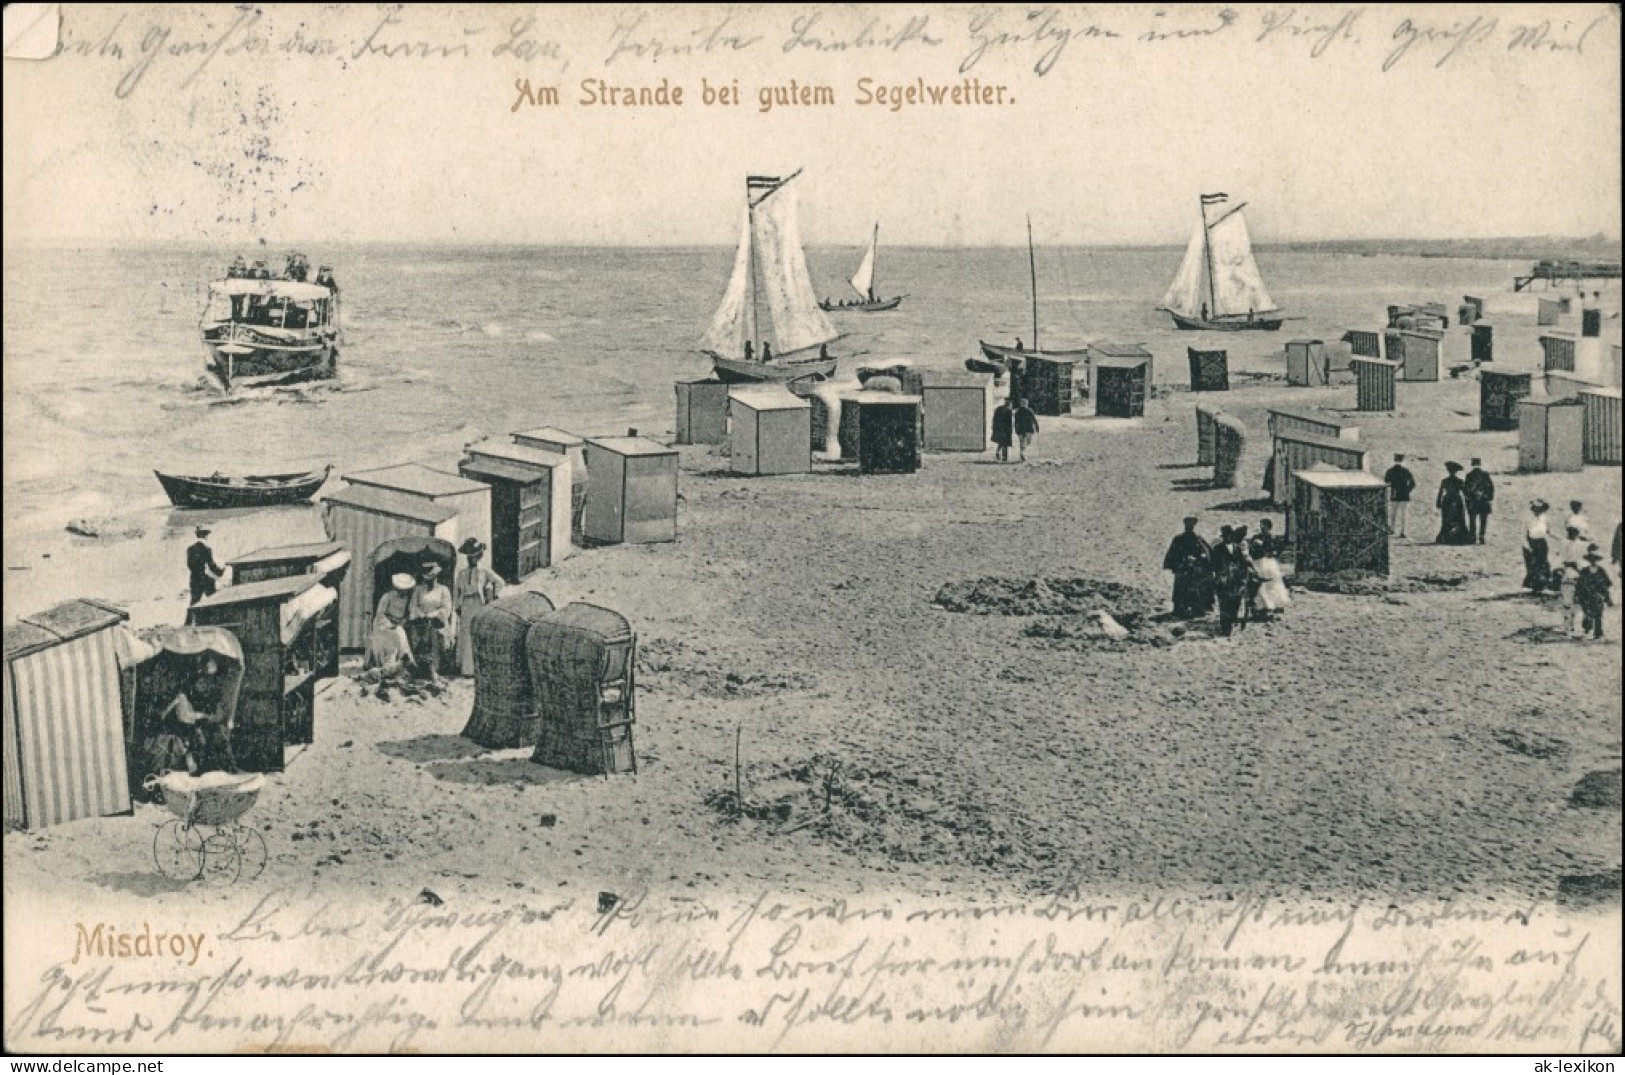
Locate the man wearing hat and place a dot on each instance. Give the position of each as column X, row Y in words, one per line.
column 1401, row 483
column 1190, row 560
column 430, row 623
column 474, row 587
column 200, row 566
column 1232, row 573
column 1591, row 593
column 1480, row 498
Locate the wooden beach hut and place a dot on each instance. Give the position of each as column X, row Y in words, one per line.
column 329, row 560
column 771, row 431
column 1121, row 384
column 1338, row 522
column 561, row 442
column 530, row 513
column 632, row 491
column 363, row 519
column 1363, row 344
column 1472, row 310
column 1600, row 429
column 1229, row 442
column 702, row 411
column 1483, row 342
column 1300, row 451
column 560, row 483
column 1547, row 312
column 954, row 414
column 1590, row 323
column 1421, row 354
column 470, row 499
column 887, row 429
column 1210, row 370
column 1306, row 362
column 286, row 629
column 1550, row 435
column 1046, row 384
column 1557, row 351
column 506, row 713
column 1206, row 432
column 64, row 745
column 583, row 669
column 1374, row 383
column 1321, row 425
column 1498, row 394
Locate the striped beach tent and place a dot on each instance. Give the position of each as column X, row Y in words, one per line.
column 64, row 719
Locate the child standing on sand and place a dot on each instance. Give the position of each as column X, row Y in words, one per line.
column 1564, row 579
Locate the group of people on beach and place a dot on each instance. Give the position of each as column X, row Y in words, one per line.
column 1241, row 574
column 1014, row 424
column 1568, row 563
column 420, row 625
column 1569, row 566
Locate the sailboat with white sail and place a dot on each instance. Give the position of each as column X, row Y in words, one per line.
column 770, row 269
column 863, row 282
column 999, row 358
column 1218, row 287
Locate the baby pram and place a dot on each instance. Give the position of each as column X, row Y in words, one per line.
column 205, row 838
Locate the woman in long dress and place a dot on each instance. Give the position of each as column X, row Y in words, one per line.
column 1452, row 505
column 387, row 647
column 1537, row 564
column 1272, row 595
column 474, row 587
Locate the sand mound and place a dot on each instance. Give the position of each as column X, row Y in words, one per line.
column 1355, row 585
column 1589, row 889
column 906, row 817
column 1048, row 597
column 1599, row 790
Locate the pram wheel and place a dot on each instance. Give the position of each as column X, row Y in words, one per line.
column 222, row 858
column 252, row 846
column 177, row 849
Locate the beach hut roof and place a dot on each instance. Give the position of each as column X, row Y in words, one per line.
column 552, row 435
column 1428, row 333
column 1122, row 362
column 1327, row 477
column 1109, row 349
column 1547, row 401
column 61, row 623
column 501, row 470
column 387, row 502
column 316, row 550
column 1611, row 393
column 769, row 398
column 1303, row 342
column 631, row 445
column 517, row 453
column 268, row 590
column 1370, row 360
column 1300, row 437
column 1307, row 416
column 954, row 379
column 415, row 478
column 879, row 399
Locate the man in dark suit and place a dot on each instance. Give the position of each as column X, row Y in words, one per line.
column 1480, row 499
column 200, row 566
column 1232, row 572
column 1401, row 484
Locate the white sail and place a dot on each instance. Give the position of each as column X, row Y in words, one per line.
column 1189, row 291
column 786, row 285
column 732, row 326
column 1237, row 286
column 863, row 281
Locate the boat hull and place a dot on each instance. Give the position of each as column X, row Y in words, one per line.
column 239, row 361
column 249, row 492
column 1000, row 357
column 739, row 371
column 1235, row 324
column 879, row 306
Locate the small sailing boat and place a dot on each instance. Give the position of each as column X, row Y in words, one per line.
column 999, row 358
column 1218, row 287
column 863, row 282
column 770, row 264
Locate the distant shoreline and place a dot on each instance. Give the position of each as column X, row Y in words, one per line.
column 1507, row 249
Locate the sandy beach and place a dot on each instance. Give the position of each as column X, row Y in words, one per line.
column 1420, row 740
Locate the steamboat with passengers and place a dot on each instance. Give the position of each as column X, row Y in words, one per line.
column 259, row 329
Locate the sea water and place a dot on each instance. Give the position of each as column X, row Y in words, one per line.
column 443, row 345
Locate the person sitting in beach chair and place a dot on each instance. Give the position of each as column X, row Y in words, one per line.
column 388, row 648
column 192, row 734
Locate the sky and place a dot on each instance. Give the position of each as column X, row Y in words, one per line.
column 336, row 123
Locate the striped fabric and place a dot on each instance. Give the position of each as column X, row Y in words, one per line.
column 65, row 734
